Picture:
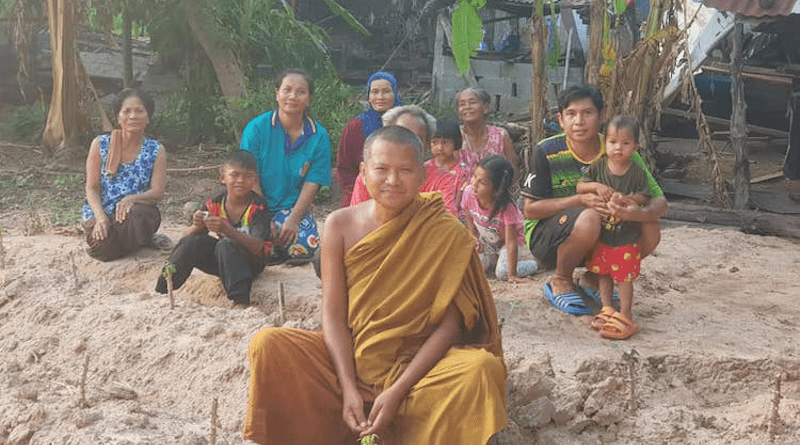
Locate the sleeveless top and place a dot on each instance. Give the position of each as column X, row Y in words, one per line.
column 132, row 178
column 494, row 145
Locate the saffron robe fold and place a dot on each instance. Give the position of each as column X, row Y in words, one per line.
column 400, row 278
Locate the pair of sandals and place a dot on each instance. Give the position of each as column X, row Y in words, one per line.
column 613, row 324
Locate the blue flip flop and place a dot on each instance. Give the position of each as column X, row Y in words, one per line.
column 595, row 294
column 569, row 302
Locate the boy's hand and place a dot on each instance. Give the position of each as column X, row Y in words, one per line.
column 198, row 219
column 603, row 191
column 218, row 225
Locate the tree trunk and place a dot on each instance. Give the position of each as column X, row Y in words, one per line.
column 538, row 77
column 127, row 51
column 226, row 64
column 594, row 58
column 64, row 117
column 741, row 163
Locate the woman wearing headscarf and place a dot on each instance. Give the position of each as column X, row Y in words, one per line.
column 382, row 94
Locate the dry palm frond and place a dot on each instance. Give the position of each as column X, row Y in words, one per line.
column 637, row 81
column 691, row 96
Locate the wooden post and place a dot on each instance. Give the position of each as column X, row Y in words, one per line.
column 592, row 69
column 791, row 164
column 281, row 303
column 741, row 164
column 127, row 51
column 437, row 81
column 538, row 77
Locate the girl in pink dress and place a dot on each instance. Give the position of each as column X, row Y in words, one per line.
column 495, row 220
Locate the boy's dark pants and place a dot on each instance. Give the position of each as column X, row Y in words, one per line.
column 223, row 257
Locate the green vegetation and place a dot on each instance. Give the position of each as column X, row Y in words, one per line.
column 26, row 123
column 267, row 38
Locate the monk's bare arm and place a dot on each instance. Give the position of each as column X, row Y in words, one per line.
column 435, row 347
column 336, row 331
column 445, row 335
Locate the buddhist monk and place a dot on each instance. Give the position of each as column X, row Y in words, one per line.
column 410, row 348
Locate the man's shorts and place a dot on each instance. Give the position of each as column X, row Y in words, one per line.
column 550, row 232
column 621, row 262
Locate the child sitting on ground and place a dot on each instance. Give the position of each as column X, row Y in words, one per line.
column 444, row 172
column 495, row 220
column 616, row 258
column 241, row 222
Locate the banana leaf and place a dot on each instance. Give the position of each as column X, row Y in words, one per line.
column 348, row 17
column 467, row 32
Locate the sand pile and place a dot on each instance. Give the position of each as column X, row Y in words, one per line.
column 718, row 314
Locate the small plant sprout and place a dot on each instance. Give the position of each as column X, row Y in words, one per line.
column 281, row 302
column 372, row 439
column 167, row 271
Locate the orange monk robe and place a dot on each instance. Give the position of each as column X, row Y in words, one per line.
column 401, row 279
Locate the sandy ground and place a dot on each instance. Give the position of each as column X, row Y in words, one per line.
column 717, row 308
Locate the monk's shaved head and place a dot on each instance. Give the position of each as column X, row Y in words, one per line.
column 397, row 135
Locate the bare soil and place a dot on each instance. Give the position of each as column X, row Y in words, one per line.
column 717, row 310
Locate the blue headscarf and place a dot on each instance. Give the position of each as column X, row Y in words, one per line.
column 371, row 119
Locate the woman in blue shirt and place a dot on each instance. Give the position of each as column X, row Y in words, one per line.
column 294, row 160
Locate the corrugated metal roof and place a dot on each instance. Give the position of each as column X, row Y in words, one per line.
column 756, row 8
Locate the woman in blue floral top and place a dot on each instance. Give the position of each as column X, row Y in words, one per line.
column 125, row 176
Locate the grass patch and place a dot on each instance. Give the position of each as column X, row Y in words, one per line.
column 25, row 123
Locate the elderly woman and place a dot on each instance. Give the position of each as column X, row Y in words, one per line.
column 294, row 160
column 480, row 139
column 415, row 119
column 382, row 95
column 125, row 176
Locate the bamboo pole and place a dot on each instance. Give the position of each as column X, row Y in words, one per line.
column 741, row 164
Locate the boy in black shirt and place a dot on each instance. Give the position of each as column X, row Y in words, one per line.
column 241, row 222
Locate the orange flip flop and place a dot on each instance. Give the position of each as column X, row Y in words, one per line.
column 618, row 327
column 598, row 321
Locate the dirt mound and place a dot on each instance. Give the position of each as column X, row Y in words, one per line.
column 716, row 309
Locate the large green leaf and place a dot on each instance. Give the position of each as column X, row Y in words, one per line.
column 348, row 18
column 620, row 6
column 467, row 32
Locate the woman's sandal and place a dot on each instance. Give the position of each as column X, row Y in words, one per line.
column 598, row 321
column 618, row 327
